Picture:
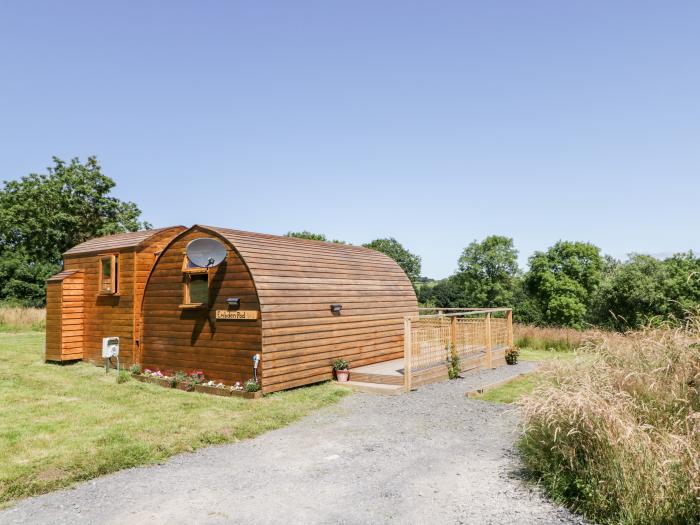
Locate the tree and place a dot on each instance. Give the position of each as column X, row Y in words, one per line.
column 445, row 293
column 631, row 293
column 409, row 262
column 682, row 285
column 488, row 271
column 42, row 215
column 312, row 236
column 563, row 279
column 644, row 290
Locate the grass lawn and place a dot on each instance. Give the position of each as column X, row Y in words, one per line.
column 62, row 424
column 512, row 390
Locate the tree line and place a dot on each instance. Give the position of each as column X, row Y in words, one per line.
column 570, row 284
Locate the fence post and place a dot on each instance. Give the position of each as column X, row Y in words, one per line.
column 407, row 351
column 489, row 356
column 453, row 332
column 509, row 327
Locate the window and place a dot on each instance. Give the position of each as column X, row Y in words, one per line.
column 196, row 287
column 109, row 274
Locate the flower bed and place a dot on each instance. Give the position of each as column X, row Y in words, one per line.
column 194, row 382
column 246, row 395
column 214, row 391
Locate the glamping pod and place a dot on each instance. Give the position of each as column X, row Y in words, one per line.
column 296, row 303
column 212, row 299
column 98, row 294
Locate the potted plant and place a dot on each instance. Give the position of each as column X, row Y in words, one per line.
column 341, row 367
column 512, row 355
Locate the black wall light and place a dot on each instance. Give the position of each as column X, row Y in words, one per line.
column 234, row 302
column 336, row 308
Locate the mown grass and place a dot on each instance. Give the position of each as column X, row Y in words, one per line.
column 64, row 424
column 511, row 391
column 616, row 435
column 17, row 319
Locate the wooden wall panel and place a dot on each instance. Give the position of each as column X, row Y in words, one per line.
column 54, row 299
column 176, row 339
column 64, row 316
column 72, row 317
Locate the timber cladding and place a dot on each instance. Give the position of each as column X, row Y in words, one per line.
column 285, row 287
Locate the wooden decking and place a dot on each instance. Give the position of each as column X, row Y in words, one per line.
column 388, row 377
column 386, row 373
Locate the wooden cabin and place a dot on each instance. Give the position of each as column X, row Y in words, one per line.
column 297, row 303
column 98, row 294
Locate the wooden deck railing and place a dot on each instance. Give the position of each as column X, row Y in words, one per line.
column 430, row 338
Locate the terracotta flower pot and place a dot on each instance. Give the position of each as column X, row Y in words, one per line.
column 342, row 375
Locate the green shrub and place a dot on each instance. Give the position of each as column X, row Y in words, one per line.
column 251, row 385
column 123, row 376
column 512, row 355
column 453, row 363
column 135, row 370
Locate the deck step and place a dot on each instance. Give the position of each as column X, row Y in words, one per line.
column 381, row 379
column 374, row 388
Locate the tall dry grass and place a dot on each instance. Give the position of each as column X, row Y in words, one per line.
column 615, row 434
column 551, row 338
column 18, row 319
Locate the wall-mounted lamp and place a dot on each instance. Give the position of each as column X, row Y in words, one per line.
column 256, row 362
column 336, row 308
column 234, row 302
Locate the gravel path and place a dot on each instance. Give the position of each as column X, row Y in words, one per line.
column 431, row 456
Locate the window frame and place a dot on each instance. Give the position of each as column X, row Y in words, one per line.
column 114, row 269
column 188, row 272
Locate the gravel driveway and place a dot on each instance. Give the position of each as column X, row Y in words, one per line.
column 431, row 456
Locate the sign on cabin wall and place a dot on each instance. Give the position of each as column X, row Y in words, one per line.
column 237, row 315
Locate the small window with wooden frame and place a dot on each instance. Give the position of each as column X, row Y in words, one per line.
column 109, row 274
column 195, row 286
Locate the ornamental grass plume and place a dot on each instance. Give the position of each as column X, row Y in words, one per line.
column 615, row 433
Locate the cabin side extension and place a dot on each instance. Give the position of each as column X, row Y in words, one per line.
column 96, row 294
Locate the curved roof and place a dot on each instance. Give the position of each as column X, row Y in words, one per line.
column 117, row 241
column 287, row 265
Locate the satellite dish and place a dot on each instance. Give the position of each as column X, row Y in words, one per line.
column 206, row 252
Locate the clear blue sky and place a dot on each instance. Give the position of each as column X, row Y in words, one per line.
column 434, row 122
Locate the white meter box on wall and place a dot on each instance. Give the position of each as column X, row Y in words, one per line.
column 110, row 347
